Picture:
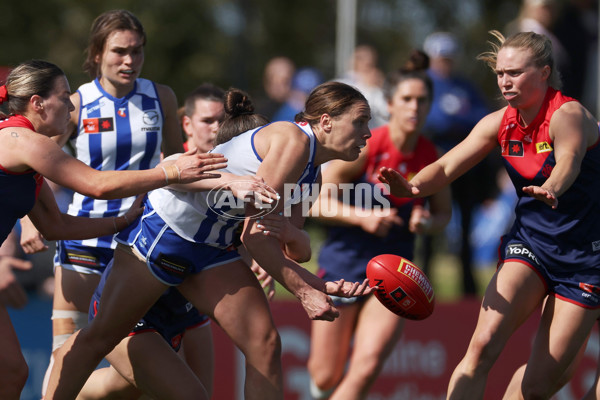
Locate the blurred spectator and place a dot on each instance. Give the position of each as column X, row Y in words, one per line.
column 277, row 84
column 572, row 26
column 365, row 75
column 540, row 16
column 303, row 82
column 457, row 106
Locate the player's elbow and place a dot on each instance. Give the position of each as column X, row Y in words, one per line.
column 299, row 255
column 101, row 190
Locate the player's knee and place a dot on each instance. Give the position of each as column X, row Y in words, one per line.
column 272, row 343
column 13, row 376
column 323, row 377
column 64, row 324
column 485, row 349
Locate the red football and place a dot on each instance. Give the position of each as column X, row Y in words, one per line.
column 403, row 288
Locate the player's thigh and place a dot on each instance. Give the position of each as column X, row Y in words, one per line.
column 563, row 330
column 514, row 292
column 149, row 363
column 377, row 331
column 129, row 292
column 231, row 295
column 198, row 352
column 73, row 290
column 330, row 341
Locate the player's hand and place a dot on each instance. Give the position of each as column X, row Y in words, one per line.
column 420, row 220
column 542, row 194
column 275, row 225
column 193, row 166
column 342, row 288
column 253, row 189
column 318, row 305
column 32, row 240
column 266, row 280
column 11, row 292
column 398, row 185
column 381, row 225
column 135, row 210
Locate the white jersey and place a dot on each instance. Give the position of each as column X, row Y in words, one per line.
column 115, row 134
column 191, row 215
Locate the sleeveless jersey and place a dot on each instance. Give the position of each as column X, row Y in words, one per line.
column 568, row 236
column 115, row 134
column 347, row 249
column 191, row 215
column 18, row 190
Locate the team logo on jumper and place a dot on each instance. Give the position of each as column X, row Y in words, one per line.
column 97, row 125
column 520, row 250
column 512, row 148
column 229, row 200
column 543, row 147
column 596, row 245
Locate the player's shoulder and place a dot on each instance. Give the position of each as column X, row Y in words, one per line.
column 286, row 131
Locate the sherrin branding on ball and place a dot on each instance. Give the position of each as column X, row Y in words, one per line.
column 403, row 288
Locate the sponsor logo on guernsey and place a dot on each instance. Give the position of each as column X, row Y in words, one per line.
column 97, row 125
column 91, row 109
column 543, row 147
column 415, row 274
column 589, row 288
column 172, row 266
column 512, row 148
column 122, row 112
column 150, row 117
column 596, row 245
column 520, row 250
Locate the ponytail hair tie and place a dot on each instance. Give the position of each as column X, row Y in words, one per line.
column 3, row 94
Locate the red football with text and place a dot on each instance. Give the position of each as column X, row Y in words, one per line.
column 403, row 288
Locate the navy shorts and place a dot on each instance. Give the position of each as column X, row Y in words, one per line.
column 581, row 286
column 83, row 259
column 170, row 317
column 169, row 257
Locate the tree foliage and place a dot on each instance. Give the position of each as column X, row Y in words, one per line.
column 228, row 42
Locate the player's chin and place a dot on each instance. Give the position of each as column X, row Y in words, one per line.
column 352, row 154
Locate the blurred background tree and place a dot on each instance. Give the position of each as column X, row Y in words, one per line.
column 228, row 42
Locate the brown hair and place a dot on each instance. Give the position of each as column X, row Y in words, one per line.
column 206, row 91
column 414, row 68
column 34, row 77
column 105, row 24
column 539, row 45
column 333, row 98
column 239, row 116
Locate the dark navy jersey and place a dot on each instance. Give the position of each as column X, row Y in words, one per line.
column 568, row 236
column 18, row 190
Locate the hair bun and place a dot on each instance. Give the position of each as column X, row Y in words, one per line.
column 237, row 102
